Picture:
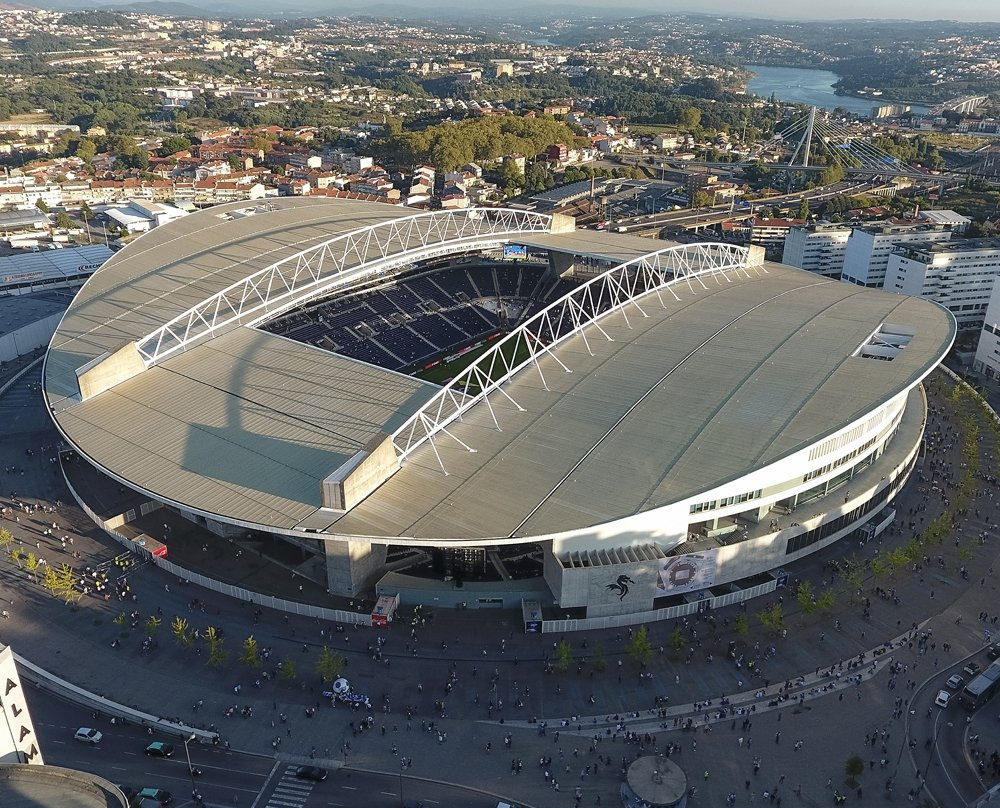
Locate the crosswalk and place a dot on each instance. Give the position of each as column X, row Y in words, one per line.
column 290, row 791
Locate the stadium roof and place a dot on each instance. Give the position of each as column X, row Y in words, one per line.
column 66, row 262
column 734, row 378
column 17, row 311
column 247, row 424
column 180, row 264
column 599, row 244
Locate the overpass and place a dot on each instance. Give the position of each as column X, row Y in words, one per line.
column 699, row 218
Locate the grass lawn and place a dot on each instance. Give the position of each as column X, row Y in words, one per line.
column 440, row 374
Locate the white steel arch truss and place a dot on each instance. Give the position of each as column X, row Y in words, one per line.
column 616, row 290
column 347, row 258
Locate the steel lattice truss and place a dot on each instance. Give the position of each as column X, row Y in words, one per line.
column 344, row 260
column 616, row 290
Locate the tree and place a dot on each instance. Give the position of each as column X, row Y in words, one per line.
column 50, row 580
column 86, row 212
column 42, row 205
column 563, row 657
column 827, row 599
column 691, row 117
column 6, row 538
column 831, row 174
column 66, row 588
column 677, row 641
column 182, row 632
column 600, row 660
column 286, row 670
column 639, row 647
column 174, row 144
column 152, row 624
column 702, row 199
column 741, row 624
column 251, row 653
column 538, row 178
column 86, row 150
column 898, row 559
column 216, row 655
column 510, row 177
column 31, row 563
column 329, row 665
column 803, row 212
column 772, row 618
column 63, row 220
column 16, row 554
column 806, row 597
column 854, row 766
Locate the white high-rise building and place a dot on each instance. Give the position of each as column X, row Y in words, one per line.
column 817, row 248
column 987, row 359
column 867, row 254
column 959, row 275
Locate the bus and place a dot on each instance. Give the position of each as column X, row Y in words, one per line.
column 983, row 688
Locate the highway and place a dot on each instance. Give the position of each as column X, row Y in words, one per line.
column 693, row 218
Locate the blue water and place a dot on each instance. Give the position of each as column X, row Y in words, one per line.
column 806, row 86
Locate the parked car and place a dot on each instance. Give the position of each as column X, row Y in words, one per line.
column 160, row 749
column 314, row 773
column 954, row 682
column 972, row 668
column 993, row 652
column 157, row 795
column 943, row 697
column 88, row 735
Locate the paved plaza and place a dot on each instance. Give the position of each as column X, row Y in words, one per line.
column 459, row 697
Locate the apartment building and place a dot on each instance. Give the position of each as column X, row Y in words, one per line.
column 817, row 248
column 987, row 359
column 959, row 275
column 866, row 256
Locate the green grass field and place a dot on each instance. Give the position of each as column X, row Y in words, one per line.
column 439, row 374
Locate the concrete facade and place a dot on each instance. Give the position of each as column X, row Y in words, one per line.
column 826, row 508
column 958, row 275
column 27, row 338
column 866, row 256
column 818, row 248
column 351, row 564
column 987, row 359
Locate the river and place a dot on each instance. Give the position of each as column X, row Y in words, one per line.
column 806, row 86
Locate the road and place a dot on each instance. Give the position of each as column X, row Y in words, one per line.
column 693, row 218
column 228, row 778
column 938, row 738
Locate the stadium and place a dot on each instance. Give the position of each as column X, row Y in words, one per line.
column 609, row 424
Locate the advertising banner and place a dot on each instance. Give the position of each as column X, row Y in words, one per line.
column 686, row 573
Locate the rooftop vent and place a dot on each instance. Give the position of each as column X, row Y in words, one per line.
column 885, row 343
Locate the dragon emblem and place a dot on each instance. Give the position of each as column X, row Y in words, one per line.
column 620, row 587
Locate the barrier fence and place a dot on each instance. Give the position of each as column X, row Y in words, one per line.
column 58, row 686
column 667, row 613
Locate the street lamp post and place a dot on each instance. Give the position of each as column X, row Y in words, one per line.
column 187, row 754
column 402, row 765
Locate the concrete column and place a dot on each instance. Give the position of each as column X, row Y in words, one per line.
column 351, row 564
column 561, row 263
